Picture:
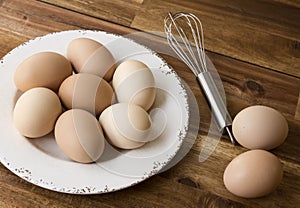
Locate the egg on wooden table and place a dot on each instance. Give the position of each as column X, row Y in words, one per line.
column 253, row 174
column 134, row 82
column 79, row 135
column 90, row 56
column 86, row 91
column 260, row 127
column 44, row 69
column 36, row 111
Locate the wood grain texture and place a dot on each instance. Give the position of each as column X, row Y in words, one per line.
column 20, row 22
column 297, row 113
column 121, row 12
column 262, row 32
column 294, row 3
column 248, row 78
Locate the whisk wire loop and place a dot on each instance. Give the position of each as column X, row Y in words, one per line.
column 198, row 40
column 173, row 42
column 192, row 55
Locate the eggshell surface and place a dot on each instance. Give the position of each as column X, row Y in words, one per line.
column 44, row 69
column 252, row 174
column 90, row 56
column 260, row 127
column 125, row 125
column 86, row 91
column 36, row 111
column 134, row 82
column 79, row 135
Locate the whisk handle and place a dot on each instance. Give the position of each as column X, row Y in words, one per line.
column 216, row 102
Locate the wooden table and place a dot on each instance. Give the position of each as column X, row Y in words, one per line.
column 255, row 46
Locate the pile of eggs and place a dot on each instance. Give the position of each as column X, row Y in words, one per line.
column 256, row 172
column 85, row 98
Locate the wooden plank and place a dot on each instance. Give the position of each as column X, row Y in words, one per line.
column 23, row 21
column 262, row 33
column 294, row 3
column 297, row 113
column 232, row 28
column 121, row 12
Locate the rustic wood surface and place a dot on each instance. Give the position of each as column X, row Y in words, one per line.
column 255, row 46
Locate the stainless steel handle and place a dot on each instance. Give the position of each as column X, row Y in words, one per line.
column 216, row 102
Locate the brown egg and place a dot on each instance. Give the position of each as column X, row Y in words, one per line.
column 90, row 56
column 133, row 82
column 79, row 135
column 86, row 91
column 125, row 125
column 260, row 127
column 252, row 174
column 44, row 69
column 36, row 111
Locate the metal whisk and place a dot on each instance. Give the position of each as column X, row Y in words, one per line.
column 177, row 27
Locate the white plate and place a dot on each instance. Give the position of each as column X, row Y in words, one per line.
column 40, row 162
